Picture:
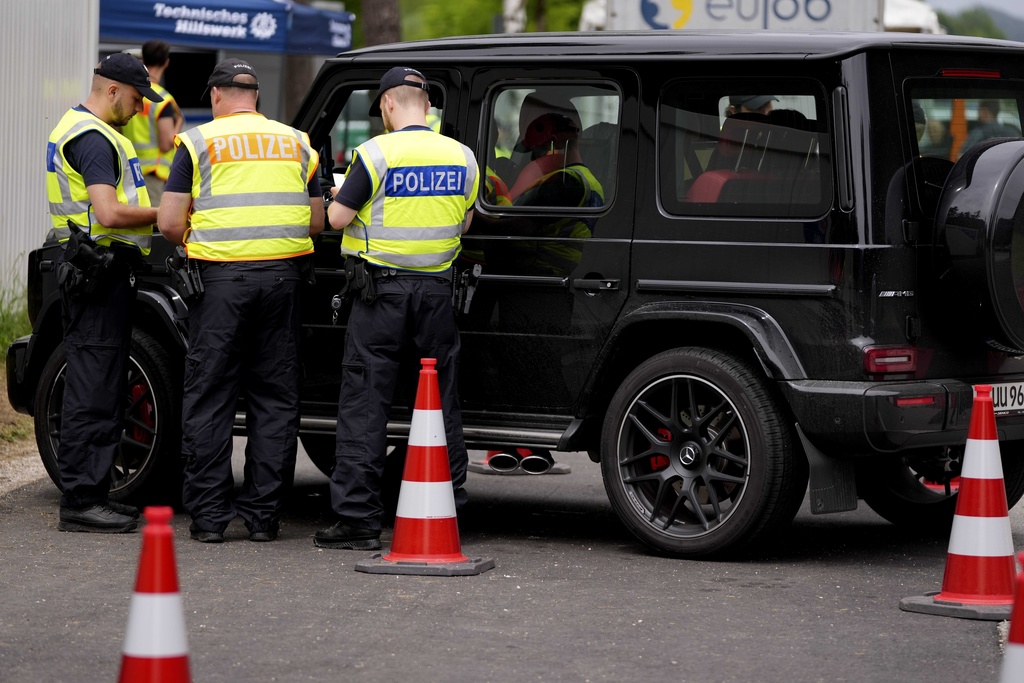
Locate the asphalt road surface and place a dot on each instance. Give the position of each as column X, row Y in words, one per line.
column 573, row 598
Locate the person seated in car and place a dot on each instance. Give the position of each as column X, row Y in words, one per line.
column 556, row 177
column 989, row 125
column 759, row 104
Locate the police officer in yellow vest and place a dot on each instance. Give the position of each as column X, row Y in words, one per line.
column 244, row 198
column 153, row 131
column 406, row 200
column 93, row 180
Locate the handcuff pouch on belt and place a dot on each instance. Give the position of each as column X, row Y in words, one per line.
column 85, row 265
column 358, row 282
column 185, row 276
column 464, row 286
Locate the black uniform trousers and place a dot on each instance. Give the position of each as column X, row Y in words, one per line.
column 97, row 342
column 243, row 341
column 411, row 317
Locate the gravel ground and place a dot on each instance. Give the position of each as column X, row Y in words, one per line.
column 19, row 465
column 19, row 459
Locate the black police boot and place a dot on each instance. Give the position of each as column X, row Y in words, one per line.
column 344, row 536
column 204, row 536
column 122, row 509
column 98, row 518
column 264, row 535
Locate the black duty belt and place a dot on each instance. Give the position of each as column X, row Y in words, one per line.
column 378, row 273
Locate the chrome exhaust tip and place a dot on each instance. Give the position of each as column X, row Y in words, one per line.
column 503, row 462
column 537, row 462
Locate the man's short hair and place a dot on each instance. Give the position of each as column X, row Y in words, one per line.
column 991, row 106
column 155, row 52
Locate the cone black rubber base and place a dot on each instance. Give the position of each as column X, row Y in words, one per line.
column 376, row 564
column 927, row 604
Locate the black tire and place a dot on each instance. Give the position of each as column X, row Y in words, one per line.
column 746, row 478
column 148, row 468
column 918, row 490
column 320, row 449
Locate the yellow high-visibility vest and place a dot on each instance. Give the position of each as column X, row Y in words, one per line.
column 142, row 131
column 249, row 196
column 558, row 256
column 65, row 187
column 423, row 185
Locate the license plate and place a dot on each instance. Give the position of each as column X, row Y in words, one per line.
column 1008, row 399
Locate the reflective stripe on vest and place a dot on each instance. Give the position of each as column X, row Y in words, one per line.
column 249, row 189
column 422, row 186
column 560, row 251
column 144, row 133
column 65, row 187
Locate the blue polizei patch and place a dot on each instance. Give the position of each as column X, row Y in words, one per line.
column 51, row 151
column 425, row 181
column 137, row 172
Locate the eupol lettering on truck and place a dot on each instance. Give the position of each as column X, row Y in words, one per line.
column 778, row 15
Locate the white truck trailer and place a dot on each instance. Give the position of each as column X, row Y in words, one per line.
column 778, row 15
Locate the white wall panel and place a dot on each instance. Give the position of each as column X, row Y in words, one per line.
column 47, row 51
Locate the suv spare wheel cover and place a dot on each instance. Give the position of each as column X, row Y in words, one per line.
column 981, row 214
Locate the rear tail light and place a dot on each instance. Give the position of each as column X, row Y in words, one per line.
column 911, row 401
column 970, row 73
column 890, row 360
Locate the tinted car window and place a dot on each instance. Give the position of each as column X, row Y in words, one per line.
column 721, row 159
column 552, row 145
column 951, row 119
column 354, row 125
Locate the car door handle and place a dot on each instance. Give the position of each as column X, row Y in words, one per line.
column 596, row 285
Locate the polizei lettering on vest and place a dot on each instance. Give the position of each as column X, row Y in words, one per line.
column 253, row 146
column 425, row 181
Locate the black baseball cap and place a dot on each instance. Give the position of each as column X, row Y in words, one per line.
column 395, row 77
column 224, row 74
column 752, row 102
column 125, row 68
column 545, row 129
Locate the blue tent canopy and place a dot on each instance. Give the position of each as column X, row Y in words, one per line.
column 312, row 31
column 252, row 25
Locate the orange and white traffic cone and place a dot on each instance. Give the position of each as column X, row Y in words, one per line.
column 979, row 577
column 1013, row 657
column 155, row 646
column 426, row 537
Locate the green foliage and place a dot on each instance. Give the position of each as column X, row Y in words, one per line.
column 21, row 430
column 436, row 19
column 14, row 321
column 559, row 15
column 972, row 22
column 13, row 324
column 422, row 19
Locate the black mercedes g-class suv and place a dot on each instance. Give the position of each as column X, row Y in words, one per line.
column 808, row 291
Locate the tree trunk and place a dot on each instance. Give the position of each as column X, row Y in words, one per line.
column 381, row 22
column 299, row 71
